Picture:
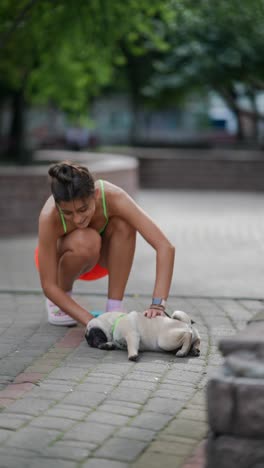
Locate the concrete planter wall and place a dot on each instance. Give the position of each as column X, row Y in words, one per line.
column 23, row 190
column 200, row 169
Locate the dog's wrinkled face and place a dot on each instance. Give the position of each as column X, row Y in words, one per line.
column 95, row 337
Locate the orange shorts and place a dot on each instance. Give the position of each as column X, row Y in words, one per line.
column 97, row 271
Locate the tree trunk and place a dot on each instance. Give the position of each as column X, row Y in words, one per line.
column 240, row 135
column 230, row 98
column 255, row 116
column 16, row 149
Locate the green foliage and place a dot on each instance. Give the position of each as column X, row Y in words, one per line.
column 64, row 52
column 212, row 44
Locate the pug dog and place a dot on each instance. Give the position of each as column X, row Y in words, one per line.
column 135, row 332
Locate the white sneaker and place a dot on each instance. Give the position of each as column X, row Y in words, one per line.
column 57, row 316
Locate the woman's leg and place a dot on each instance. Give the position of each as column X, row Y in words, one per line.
column 119, row 242
column 78, row 252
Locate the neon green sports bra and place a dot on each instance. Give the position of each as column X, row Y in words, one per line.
column 101, row 232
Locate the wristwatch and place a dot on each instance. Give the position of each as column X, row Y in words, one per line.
column 158, row 301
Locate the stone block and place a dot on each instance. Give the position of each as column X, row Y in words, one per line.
column 236, row 406
column 233, row 452
column 220, row 403
column 249, row 339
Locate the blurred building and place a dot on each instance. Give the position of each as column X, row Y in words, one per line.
column 201, row 121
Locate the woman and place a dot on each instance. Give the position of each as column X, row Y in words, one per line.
column 87, row 229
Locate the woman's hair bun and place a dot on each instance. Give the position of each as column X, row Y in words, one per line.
column 63, row 172
column 70, row 181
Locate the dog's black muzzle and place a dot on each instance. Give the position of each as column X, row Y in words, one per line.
column 95, row 337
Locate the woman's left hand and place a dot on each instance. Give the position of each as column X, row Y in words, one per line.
column 151, row 313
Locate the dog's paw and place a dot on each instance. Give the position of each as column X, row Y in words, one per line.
column 108, row 346
column 181, row 353
column 195, row 352
column 134, row 357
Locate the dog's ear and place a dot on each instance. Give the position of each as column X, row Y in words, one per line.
column 192, row 322
column 95, row 337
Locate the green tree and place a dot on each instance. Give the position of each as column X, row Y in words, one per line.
column 215, row 45
column 65, row 52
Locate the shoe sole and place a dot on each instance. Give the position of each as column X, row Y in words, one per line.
column 61, row 324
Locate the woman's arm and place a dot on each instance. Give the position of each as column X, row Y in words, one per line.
column 122, row 205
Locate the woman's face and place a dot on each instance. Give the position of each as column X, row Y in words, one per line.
column 79, row 212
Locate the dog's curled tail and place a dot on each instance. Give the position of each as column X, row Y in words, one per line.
column 182, row 316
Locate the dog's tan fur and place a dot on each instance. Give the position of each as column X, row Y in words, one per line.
column 137, row 333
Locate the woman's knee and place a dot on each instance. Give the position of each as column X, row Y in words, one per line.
column 85, row 243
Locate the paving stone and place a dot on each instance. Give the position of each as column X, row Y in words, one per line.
column 85, row 399
column 12, row 461
column 5, row 402
column 20, row 452
column 163, row 406
column 13, row 421
column 194, row 414
column 90, row 432
column 167, row 447
column 98, row 379
column 29, row 377
column 177, row 439
column 95, row 388
column 137, row 384
column 75, row 443
column 32, row 438
column 177, row 387
column 136, row 433
column 118, row 409
column 32, row 406
column 52, row 463
column 68, row 373
column 187, row 428
column 42, row 393
column 119, row 369
column 191, row 377
column 152, row 367
column 137, row 396
column 125, row 404
column 144, row 376
column 199, row 398
column 172, row 395
column 66, row 453
column 67, row 413
column 150, row 420
column 121, row 449
column 4, row 435
column 157, row 460
column 104, row 463
column 48, row 422
column 108, row 418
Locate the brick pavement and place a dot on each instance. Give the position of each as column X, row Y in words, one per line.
column 65, row 404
